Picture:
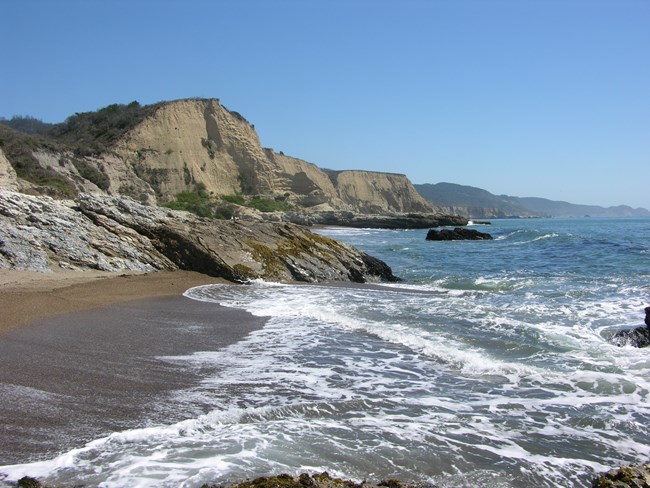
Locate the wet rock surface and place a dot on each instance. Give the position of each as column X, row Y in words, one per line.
column 632, row 476
column 638, row 337
column 457, row 234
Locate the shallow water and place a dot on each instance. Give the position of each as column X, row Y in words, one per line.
column 488, row 366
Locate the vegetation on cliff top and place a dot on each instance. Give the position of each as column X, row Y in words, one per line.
column 92, row 133
column 19, row 149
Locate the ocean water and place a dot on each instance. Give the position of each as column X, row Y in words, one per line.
column 488, row 366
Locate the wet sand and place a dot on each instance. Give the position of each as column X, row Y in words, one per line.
column 26, row 296
column 81, row 359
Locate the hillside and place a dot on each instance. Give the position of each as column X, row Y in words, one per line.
column 156, row 153
column 472, row 202
column 565, row 209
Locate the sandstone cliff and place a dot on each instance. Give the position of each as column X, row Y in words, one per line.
column 116, row 233
column 8, row 178
column 373, row 192
column 178, row 146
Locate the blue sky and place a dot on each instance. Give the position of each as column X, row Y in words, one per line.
column 528, row 98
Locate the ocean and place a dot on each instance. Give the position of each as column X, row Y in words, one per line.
column 489, row 365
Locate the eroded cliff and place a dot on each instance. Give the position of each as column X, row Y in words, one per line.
column 153, row 153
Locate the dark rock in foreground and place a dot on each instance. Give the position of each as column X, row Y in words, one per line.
column 639, row 337
column 632, row 476
column 323, row 480
column 457, row 234
column 117, row 234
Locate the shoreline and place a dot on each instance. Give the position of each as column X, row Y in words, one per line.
column 84, row 356
column 26, row 296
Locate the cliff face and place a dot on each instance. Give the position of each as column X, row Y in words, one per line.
column 199, row 141
column 181, row 145
column 373, row 192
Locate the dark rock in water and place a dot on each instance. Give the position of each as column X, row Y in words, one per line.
column 633, row 476
column 323, row 480
column 457, row 234
column 639, row 337
column 27, row 482
column 383, row 221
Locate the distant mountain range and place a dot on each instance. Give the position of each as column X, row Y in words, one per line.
column 472, row 202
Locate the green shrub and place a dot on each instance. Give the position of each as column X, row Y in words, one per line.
column 236, row 199
column 191, row 202
column 19, row 148
column 91, row 173
column 200, row 203
column 91, row 133
column 267, row 205
column 224, row 212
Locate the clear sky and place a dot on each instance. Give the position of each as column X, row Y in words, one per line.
column 547, row 98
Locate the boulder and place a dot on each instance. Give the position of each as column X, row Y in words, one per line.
column 457, row 234
column 638, row 337
column 632, row 476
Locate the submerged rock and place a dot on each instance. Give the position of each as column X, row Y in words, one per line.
column 457, row 234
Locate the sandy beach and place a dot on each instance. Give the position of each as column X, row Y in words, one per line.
column 27, row 296
column 82, row 354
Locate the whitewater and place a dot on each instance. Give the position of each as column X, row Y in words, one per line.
column 488, row 365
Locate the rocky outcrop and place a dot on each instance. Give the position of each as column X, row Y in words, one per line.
column 304, row 480
column 385, row 221
column 632, row 476
column 457, row 234
column 638, row 337
column 118, row 233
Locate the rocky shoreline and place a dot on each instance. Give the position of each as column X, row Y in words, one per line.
column 631, row 476
column 109, row 233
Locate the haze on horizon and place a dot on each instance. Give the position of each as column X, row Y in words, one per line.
column 535, row 98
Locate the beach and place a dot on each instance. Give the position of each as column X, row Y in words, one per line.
column 80, row 354
column 489, row 365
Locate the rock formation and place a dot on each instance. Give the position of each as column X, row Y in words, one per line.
column 457, row 234
column 117, row 233
column 632, row 476
column 153, row 153
column 304, row 480
column 382, row 221
column 638, row 337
